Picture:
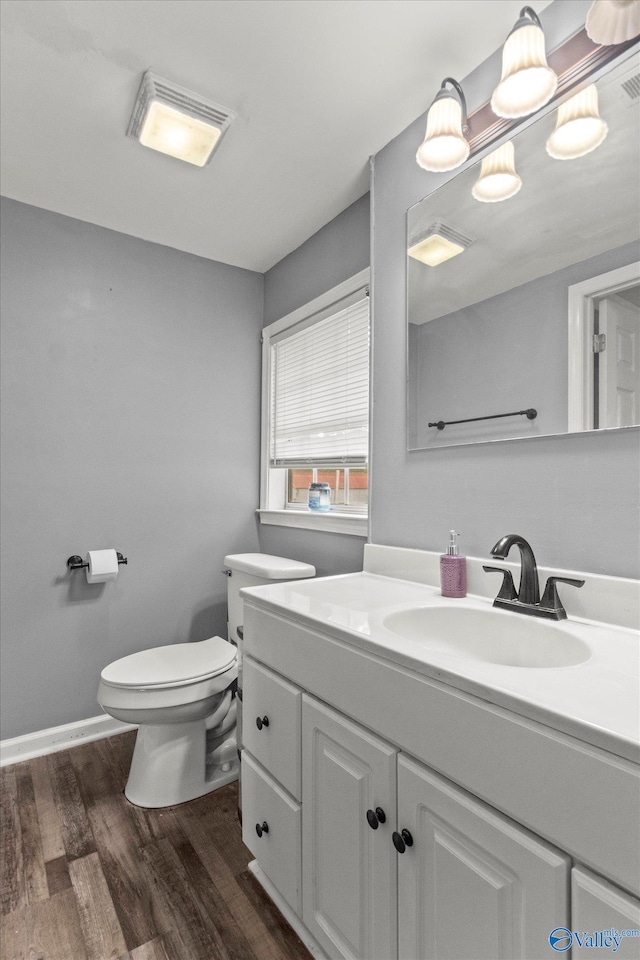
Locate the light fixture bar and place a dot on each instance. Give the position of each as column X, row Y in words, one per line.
column 575, row 61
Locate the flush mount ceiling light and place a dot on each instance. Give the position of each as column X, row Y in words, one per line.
column 613, row 21
column 177, row 121
column 445, row 146
column 438, row 243
column 498, row 179
column 579, row 126
column 527, row 82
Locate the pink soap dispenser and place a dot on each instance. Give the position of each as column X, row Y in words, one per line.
column 453, row 570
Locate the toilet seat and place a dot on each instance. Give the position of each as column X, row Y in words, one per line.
column 174, row 665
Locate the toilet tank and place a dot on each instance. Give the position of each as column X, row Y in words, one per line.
column 253, row 570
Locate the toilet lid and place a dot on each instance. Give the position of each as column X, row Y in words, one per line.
column 175, row 663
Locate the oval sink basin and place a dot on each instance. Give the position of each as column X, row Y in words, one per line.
column 494, row 636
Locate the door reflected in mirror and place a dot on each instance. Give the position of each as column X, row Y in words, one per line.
column 616, row 361
column 530, row 303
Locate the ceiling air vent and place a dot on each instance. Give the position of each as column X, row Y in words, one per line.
column 632, row 87
column 626, row 83
column 177, row 121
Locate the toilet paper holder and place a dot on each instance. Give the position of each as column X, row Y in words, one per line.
column 77, row 563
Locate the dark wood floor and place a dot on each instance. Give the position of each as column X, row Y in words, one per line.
column 88, row 876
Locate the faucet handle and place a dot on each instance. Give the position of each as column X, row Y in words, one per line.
column 507, row 590
column 550, row 598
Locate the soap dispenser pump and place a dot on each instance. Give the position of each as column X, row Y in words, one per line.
column 453, row 570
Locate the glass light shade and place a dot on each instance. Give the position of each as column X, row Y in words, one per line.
column 435, row 250
column 177, row 134
column 498, row 179
column 579, row 126
column 613, row 21
column 444, row 146
column 527, row 82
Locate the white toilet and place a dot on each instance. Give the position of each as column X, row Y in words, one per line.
column 182, row 696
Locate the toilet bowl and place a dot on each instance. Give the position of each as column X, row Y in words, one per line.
column 182, row 696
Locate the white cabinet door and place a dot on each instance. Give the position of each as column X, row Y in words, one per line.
column 474, row 885
column 600, row 915
column 349, row 868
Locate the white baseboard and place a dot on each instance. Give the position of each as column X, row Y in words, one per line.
column 59, row 738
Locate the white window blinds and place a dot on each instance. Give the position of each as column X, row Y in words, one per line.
column 320, row 391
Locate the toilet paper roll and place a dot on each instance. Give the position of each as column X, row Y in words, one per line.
column 103, row 566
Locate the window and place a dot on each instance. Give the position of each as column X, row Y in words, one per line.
column 315, row 418
column 349, row 486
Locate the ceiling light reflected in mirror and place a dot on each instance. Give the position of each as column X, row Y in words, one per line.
column 437, row 244
column 579, row 126
column 498, row 179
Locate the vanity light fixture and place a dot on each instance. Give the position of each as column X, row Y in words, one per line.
column 498, row 179
column 177, row 121
column 444, row 146
column 527, row 82
column 438, row 243
column 613, row 21
column 579, row 126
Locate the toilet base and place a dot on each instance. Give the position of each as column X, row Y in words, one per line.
column 169, row 764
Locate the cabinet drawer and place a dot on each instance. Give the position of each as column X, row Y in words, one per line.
column 278, row 850
column 277, row 744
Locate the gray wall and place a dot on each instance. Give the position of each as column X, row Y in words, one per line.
column 336, row 252
column 131, row 397
column 574, row 497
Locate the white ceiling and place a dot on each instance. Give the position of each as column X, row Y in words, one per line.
column 318, row 87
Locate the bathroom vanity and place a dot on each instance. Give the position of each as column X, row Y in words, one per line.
column 423, row 780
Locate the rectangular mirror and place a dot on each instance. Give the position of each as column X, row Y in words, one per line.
column 532, row 326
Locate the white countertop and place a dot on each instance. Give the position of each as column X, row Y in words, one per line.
column 597, row 701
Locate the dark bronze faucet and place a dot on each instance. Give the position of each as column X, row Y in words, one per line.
column 527, row 598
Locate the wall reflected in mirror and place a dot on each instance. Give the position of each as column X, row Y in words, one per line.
column 489, row 328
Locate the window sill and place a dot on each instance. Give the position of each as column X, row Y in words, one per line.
column 355, row 525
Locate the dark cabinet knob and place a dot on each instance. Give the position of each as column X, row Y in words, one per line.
column 402, row 840
column 262, row 828
column 375, row 817
column 262, row 722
